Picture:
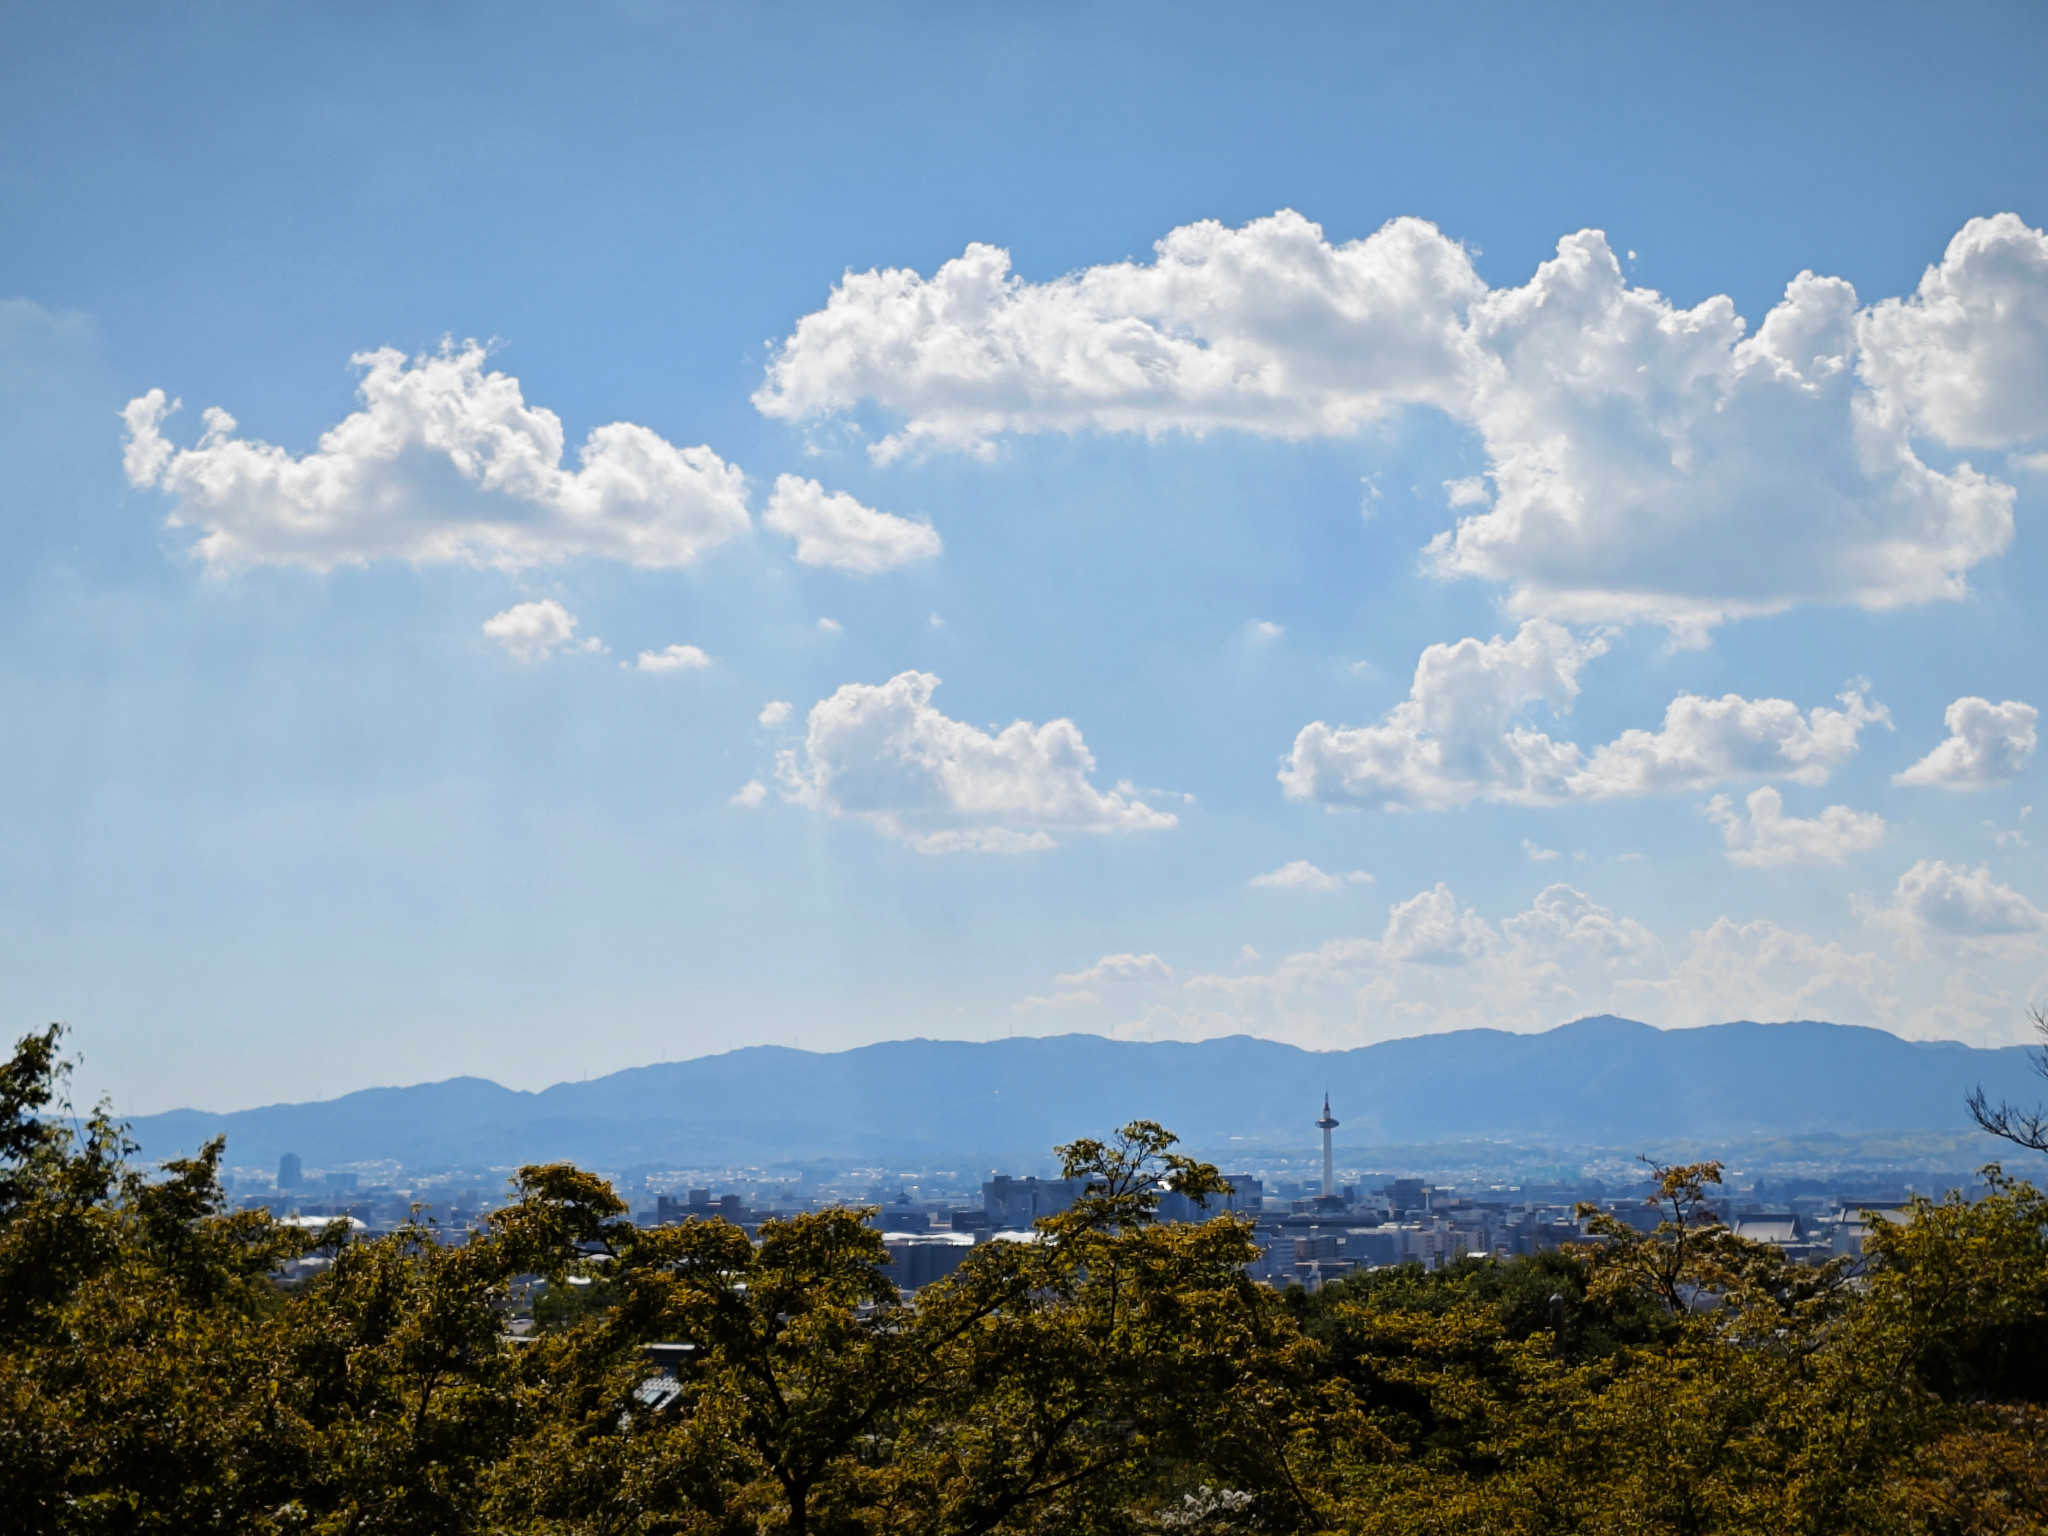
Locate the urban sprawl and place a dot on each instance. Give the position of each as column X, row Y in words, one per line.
column 1307, row 1230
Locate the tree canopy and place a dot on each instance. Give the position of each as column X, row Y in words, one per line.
column 1116, row 1374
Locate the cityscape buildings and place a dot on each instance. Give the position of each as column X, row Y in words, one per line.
column 1307, row 1230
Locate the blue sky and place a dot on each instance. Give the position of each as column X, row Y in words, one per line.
column 1335, row 522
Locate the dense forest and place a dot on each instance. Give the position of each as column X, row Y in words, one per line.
column 1118, row 1374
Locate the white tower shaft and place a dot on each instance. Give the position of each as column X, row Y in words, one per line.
column 1326, row 1125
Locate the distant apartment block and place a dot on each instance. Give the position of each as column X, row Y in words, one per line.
column 698, row 1203
column 1247, row 1198
column 917, row 1260
column 1012, row 1202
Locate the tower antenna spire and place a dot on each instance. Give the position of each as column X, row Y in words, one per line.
column 1326, row 1125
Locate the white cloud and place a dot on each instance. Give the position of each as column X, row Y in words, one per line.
column 1656, row 463
column 1968, row 352
column 1765, row 972
column 1987, row 744
column 1437, row 964
column 444, row 463
column 1976, row 1008
column 775, row 712
column 1707, row 741
column 1935, row 903
column 750, row 794
column 884, row 754
column 1645, row 461
column 1113, row 970
column 1537, row 855
column 1263, row 629
column 529, row 631
column 1126, row 977
column 1431, row 928
column 831, row 528
column 1563, row 922
column 830, row 626
column 674, row 658
column 1770, row 839
column 1300, row 875
column 1268, row 329
column 1460, row 735
column 1454, row 738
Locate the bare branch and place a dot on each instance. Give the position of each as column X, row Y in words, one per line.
column 2023, row 1127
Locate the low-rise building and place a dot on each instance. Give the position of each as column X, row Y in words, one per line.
column 1847, row 1228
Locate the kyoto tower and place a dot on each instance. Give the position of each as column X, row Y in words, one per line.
column 1326, row 1125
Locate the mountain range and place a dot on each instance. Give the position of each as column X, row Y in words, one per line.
column 1597, row 1082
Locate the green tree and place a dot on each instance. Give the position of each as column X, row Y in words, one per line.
column 1112, row 1374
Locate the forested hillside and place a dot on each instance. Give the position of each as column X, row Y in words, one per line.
column 1599, row 1082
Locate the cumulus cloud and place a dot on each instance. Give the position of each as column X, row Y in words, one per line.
column 1967, row 949
column 529, row 631
column 1268, row 329
column 832, row 529
column 1762, row 971
column 1967, row 353
column 1658, row 463
column 750, row 794
column 1436, row 963
column 1707, row 741
column 1644, row 461
column 1565, row 922
column 1769, row 839
column 445, row 462
column 1987, row 744
column 1935, row 903
column 1116, row 974
column 885, row 754
column 1300, row 875
column 1462, row 735
column 1432, row 928
column 774, row 713
column 1263, row 629
column 673, row 658
column 1537, row 854
column 1455, row 737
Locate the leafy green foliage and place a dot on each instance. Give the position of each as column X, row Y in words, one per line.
column 1112, row 1375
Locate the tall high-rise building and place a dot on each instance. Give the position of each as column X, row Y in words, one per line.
column 1326, row 1125
column 288, row 1171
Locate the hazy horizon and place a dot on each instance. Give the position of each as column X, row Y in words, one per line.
column 771, row 1045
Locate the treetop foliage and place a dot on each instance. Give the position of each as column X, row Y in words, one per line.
column 1120, row 1375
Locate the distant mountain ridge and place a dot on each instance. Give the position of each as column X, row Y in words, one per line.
column 1600, row 1081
